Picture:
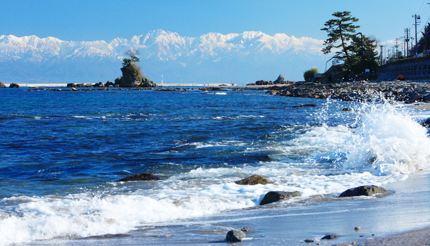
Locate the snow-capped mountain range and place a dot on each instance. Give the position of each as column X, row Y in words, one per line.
column 211, row 57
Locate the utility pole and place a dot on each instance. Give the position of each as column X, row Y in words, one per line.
column 407, row 39
column 417, row 20
column 396, row 47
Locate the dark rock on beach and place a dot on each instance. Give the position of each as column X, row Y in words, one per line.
column 13, row 85
column 253, row 180
column 366, row 190
column 140, row 177
column 309, row 240
column 275, row 196
column 235, row 236
column 329, row 237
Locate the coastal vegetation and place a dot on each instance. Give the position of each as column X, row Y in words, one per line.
column 309, row 75
column 355, row 52
column 423, row 44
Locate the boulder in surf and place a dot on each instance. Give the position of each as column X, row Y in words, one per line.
column 253, row 180
column 365, row 190
column 275, row 196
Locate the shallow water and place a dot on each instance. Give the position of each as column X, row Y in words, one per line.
column 61, row 154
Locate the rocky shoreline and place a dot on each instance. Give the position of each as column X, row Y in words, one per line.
column 403, row 91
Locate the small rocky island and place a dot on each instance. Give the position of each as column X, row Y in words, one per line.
column 132, row 77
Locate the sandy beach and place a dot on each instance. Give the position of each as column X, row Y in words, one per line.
column 413, row 238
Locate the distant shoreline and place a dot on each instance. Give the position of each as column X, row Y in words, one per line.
column 35, row 85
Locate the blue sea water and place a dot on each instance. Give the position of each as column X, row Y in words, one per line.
column 54, row 142
column 62, row 154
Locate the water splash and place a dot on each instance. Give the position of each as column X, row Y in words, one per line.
column 382, row 138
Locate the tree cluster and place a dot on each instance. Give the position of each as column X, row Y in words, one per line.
column 309, row 75
column 357, row 52
column 423, row 44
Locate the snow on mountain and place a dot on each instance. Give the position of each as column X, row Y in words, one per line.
column 160, row 51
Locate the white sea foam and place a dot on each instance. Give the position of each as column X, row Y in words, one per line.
column 384, row 145
column 198, row 193
column 237, row 117
column 199, row 145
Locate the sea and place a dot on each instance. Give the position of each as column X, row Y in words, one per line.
column 62, row 154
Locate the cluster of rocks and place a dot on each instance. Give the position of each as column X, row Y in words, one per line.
column 11, row 85
column 408, row 92
column 278, row 81
column 107, row 84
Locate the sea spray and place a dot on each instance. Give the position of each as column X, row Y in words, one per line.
column 382, row 138
column 390, row 139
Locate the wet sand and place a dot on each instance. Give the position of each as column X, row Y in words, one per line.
column 412, row 238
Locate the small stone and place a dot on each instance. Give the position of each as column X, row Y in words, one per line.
column 329, row 237
column 245, row 229
column 309, row 240
column 366, row 190
column 235, row 236
column 274, row 196
column 253, row 180
column 357, row 228
column 140, row 177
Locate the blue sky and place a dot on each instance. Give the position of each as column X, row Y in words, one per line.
column 182, row 40
column 106, row 19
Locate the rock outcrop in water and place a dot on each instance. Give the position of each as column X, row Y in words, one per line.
column 13, row 85
column 275, row 196
column 253, row 180
column 280, row 80
column 131, row 74
column 366, row 190
column 408, row 92
column 140, row 177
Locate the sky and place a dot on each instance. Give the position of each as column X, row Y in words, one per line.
column 91, row 20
